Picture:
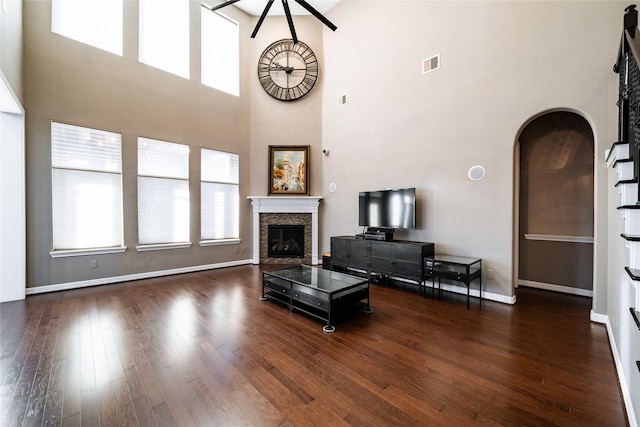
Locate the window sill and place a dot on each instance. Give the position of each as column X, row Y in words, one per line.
column 82, row 252
column 162, row 246
column 220, row 242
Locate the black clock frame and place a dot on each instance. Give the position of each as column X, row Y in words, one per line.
column 268, row 64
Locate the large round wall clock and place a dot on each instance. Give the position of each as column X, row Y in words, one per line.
column 287, row 71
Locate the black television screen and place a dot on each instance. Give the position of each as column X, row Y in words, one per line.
column 388, row 208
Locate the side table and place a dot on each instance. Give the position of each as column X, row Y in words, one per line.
column 452, row 267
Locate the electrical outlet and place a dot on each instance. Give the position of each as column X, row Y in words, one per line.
column 94, row 263
column 235, row 249
column 489, row 274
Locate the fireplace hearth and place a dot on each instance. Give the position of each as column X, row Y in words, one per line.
column 285, row 241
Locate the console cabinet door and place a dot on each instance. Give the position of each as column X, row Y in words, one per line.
column 407, row 261
column 407, row 269
column 339, row 251
column 359, row 251
column 381, row 257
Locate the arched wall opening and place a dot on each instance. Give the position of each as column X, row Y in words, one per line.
column 554, row 203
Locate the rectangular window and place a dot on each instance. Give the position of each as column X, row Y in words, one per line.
column 86, row 188
column 220, row 51
column 94, row 22
column 164, row 35
column 163, row 192
column 220, row 193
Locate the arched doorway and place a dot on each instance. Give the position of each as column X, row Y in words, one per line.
column 555, row 204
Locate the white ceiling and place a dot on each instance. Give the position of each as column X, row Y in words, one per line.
column 255, row 7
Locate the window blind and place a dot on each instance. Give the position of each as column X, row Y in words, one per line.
column 220, row 193
column 164, row 35
column 86, row 188
column 163, row 192
column 220, row 51
column 97, row 23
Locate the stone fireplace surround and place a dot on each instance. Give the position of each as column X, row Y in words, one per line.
column 296, row 207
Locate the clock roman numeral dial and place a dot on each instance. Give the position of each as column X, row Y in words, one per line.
column 287, row 71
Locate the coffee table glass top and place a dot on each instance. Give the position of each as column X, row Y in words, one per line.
column 317, row 278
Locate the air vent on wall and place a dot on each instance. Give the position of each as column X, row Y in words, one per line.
column 342, row 99
column 431, row 64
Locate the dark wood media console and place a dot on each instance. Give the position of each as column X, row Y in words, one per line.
column 391, row 259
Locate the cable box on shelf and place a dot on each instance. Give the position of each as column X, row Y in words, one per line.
column 375, row 233
column 387, row 237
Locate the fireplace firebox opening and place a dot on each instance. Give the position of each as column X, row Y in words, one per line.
column 285, row 241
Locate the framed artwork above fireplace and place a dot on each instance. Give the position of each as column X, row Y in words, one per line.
column 288, row 170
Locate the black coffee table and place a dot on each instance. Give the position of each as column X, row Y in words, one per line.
column 323, row 294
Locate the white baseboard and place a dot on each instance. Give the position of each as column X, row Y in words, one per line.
column 624, row 385
column 475, row 293
column 128, row 277
column 598, row 318
column 556, row 288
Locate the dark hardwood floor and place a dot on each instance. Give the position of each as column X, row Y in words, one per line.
column 201, row 349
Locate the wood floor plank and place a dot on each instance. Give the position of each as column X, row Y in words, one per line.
column 209, row 397
column 107, row 406
column 38, row 395
column 17, row 405
column 200, row 349
column 164, row 416
column 69, row 344
column 13, row 363
column 52, row 415
column 90, row 405
column 123, row 403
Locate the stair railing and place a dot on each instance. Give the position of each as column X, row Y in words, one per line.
column 629, row 89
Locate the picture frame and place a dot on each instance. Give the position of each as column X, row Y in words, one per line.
column 288, row 170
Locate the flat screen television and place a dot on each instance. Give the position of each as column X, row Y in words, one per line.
column 388, row 208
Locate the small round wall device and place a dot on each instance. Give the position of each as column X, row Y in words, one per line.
column 476, row 173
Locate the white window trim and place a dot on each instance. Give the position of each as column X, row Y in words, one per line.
column 82, row 252
column 220, row 242
column 162, row 246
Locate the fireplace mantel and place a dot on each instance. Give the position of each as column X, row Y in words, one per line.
column 285, row 204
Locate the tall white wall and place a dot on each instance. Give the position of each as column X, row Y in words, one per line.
column 70, row 82
column 12, row 196
column 502, row 63
column 276, row 122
